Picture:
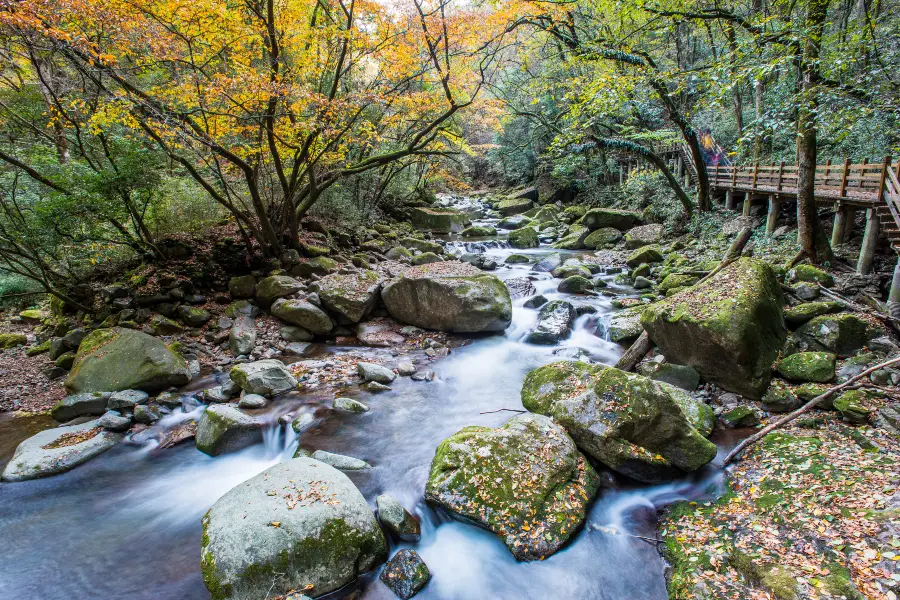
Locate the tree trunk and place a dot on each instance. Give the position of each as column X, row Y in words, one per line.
column 813, row 242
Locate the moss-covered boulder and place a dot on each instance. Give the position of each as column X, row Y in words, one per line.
column 422, row 245
column 277, row 286
column 647, row 254
column 525, row 481
column 647, row 430
column 79, row 405
column 810, row 274
column 525, row 237
column 110, row 360
column 575, row 284
column 730, row 328
column 796, row 316
column 193, row 316
column 554, row 323
column 780, row 398
column 426, row 258
column 605, row 237
column 439, row 220
column 843, row 334
column 569, row 269
column 643, row 235
column 854, row 406
column 517, row 259
column 677, row 281
column 626, row 324
column 225, row 428
column 405, row 574
column 263, row 377
column 465, row 303
column 817, row 367
column 11, row 340
column 352, row 295
column 242, row 286
column 514, row 206
column 319, row 265
column 302, row 313
column 574, row 238
column 479, row 231
column 299, row 525
column 596, row 218
column 514, row 222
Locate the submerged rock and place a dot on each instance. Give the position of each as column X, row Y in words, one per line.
column 397, row 519
column 525, row 481
column 730, row 328
column 58, row 450
column 299, row 525
column 634, row 425
column 554, row 323
column 460, row 304
column 340, row 461
column 405, row 574
column 225, row 428
column 115, row 359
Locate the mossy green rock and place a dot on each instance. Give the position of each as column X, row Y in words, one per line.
column 319, row 265
column 225, row 428
column 422, row 245
column 597, row 218
column 525, row 237
column 796, row 316
column 780, row 398
column 303, row 313
column 277, row 286
column 854, row 406
column 32, row 314
column 242, row 286
column 647, row 430
column 605, row 237
column 479, row 231
column 525, row 481
column 439, row 220
column 574, row 239
column 626, row 324
column 730, row 328
column 426, row 258
column 38, row 348
column 810, row 274
column 11, row 340
column 352, row 295
column 843, row 334
column 299, row 525
column 110, row 360
column 569, row 269
column 742, row 416
column 677, row 280
column 647, row 254
column 817, row 367
column 514, row 206
column 461, row 304
column 517, row 259
column 575, row 284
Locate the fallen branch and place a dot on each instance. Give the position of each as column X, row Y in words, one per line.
column 734, row 252
column 515, row 410
column 805, row 408
column 860, row 308
column 635, row 353
column 614, row 531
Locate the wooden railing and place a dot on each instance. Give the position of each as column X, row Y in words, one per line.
column 890, row 190
column 864, row 182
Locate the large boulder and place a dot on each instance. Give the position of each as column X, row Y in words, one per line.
column 514, row 206
column 352, row 295
column 299, row 525
column 525, row 237
column 242, row 337
column 597, row 218
column 57, row 450
column 843, row 334
column 574, row 238
column 467, row 303
column 626, row 324
column 730, row 328
column 263, row 377
column 525, row 481
column 554, row 323
column 439, row 220
column 225, row 428
column 643, row 235
column 302, row 313
column 605, row 237
column 277, row 286
column 115, row 359
column 645, row 429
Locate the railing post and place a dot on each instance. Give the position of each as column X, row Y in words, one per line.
column 869, row 243
column 884, row 169
column 844, row 177
column 755, row 174
column 780, row 175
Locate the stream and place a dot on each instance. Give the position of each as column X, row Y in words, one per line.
column 127, row 524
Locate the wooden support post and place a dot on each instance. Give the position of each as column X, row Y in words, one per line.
column 850, row 220
column 680, row 166
column 869, row 243
column 729, row 199
column 746, row 211
column 840, row 224
column 893, row 303
column 772, row 219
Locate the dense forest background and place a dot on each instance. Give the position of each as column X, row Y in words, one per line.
column 127, row 124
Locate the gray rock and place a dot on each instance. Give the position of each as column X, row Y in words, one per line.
column 46, row 453
column 127, row 399
column 554, row 323
column 406, row 368
column 520, row 287
column 379, row 334
column 146, row 414
column 193, row 316
column 423, row 375
column 351, row 295
column 349, row 404
column 373, row 372
column 242, row 337
column 79, row 405
column 277, row 286
column 292, row 333
column 302, row 422
column 642, row 283
column 339, row 461
column 374, row 386
column 264, row 377
column 535, row 301
column 681, row 376
column 397, row 519
column 548, row 263
column 309, row 526
column 225, row 428
column 297, row 348
column 405, row 574
column 302, row 313
column 252, row 401
column 220, row 393
column 243, row 286
column 114, row 421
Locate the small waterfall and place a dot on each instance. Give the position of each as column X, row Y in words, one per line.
column 279, row 440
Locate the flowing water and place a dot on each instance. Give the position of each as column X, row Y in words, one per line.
column 127, row 524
